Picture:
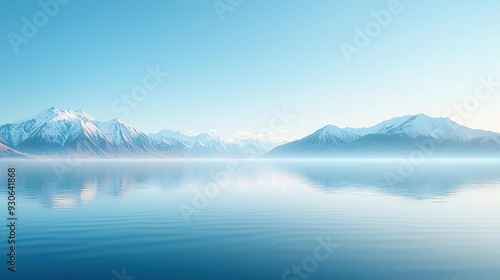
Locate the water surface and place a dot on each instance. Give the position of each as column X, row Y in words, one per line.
column 254, row 219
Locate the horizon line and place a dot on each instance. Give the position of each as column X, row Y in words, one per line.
column 287, row 139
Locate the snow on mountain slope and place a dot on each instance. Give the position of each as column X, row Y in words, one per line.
column 168, row 134
column 55, row 114
column 332, row 133
column 69, row 132
column 16, row 133
column 255, row 147
column 326, row 138
column 209, row 144
column 50, row 125
column 172, row 148
column 56, row 132
column 395, row 135
column 424, row 126
column 60, row 132
column 120, row 132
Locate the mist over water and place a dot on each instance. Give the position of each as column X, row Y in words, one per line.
column 255, row 219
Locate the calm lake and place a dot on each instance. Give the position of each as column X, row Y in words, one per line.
column 259, row 220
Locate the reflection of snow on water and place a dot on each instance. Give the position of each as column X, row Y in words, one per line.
column 63, row 201
column 89, row 191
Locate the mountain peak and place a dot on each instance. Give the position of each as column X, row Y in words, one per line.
column 335, row 134
column 117, row 120
column 56, row 114
column 329, row 130
column 211, row 134
column 422, row 117
column 331, row 127
column 394, row 137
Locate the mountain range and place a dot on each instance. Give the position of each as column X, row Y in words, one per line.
column 401, row 136
column 69, row 133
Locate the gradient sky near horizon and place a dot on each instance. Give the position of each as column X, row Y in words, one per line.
column 230, row 75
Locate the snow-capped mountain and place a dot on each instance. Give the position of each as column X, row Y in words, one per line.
column 255, row 147
column 170, row 135
column 423, row 125
column 57, row 132
column 394, row 137
column 60, row 133
column 324, row 139
column 209, row 144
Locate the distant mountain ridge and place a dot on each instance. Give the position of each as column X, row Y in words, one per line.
column 70, row 133
column 209, row 144
column 392, row 138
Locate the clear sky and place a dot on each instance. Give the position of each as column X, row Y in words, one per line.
column 229, row 70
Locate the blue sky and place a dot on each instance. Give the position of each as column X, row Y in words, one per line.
column 229, row 74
